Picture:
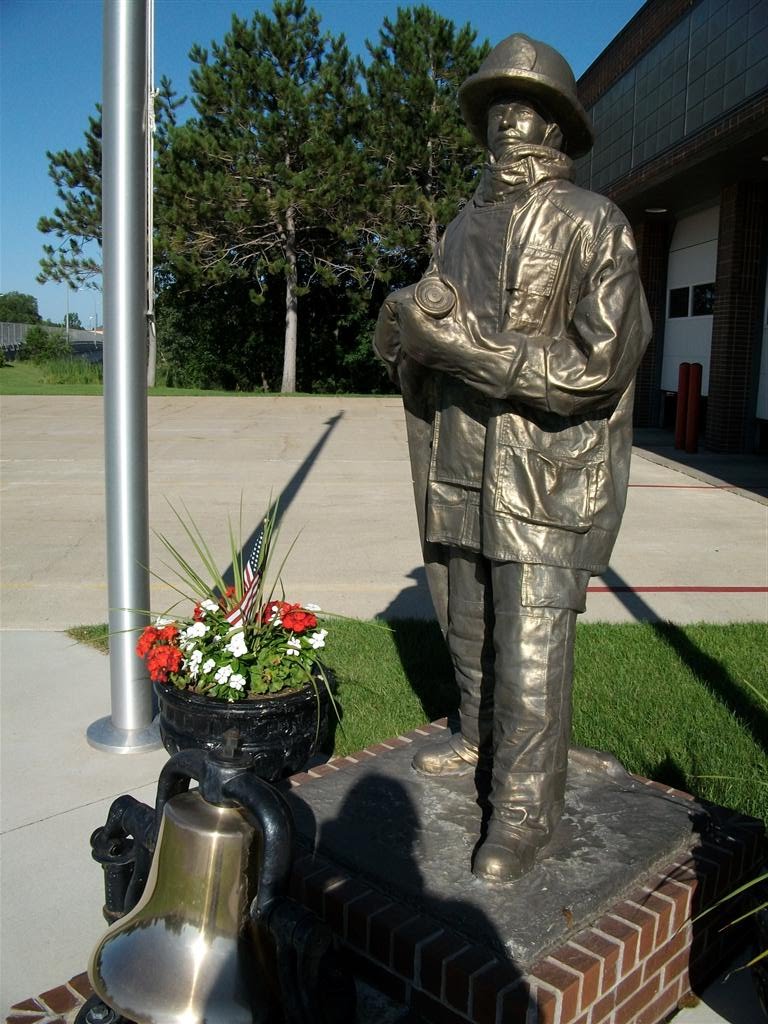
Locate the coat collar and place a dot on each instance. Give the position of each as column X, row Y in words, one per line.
column 529, row 166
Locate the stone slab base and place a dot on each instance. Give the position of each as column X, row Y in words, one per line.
column 627, row 956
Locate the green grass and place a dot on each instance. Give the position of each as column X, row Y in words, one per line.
column 27, row 378
column 673, row 703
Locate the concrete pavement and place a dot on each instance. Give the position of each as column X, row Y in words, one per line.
column 693, row 547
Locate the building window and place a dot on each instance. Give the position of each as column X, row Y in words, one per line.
column 678, row 302
column 703, row 299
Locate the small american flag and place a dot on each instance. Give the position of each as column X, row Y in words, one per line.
column 251, row 577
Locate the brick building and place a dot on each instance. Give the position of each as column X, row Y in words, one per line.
column 679, row 101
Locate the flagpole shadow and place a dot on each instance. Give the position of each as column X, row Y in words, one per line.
column 285, row 499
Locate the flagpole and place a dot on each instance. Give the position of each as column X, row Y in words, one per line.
column 126, row 100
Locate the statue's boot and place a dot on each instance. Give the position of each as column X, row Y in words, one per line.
column 532, row 725
column 470, row 642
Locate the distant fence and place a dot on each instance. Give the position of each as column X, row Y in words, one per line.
column 88, row 345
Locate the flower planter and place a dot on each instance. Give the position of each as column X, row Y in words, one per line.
column 278, row 731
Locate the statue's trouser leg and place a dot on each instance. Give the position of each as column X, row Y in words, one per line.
column 470, row 642
column 535, row 616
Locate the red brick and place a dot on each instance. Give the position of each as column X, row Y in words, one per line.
column 628, row 935
column 376, row 976
column 300, row 779
column 608, row 950
column 380, row 748
column 382, row 926
column 588, row 966
column 359, row 913
column 603, row 1008
column 629, row 983
column 564, row 984
column 59, row 999
column 627, row 1011
column 432, row 956
column 81, row 984
column 677, row 967
column 547, row 1006
column 458, row 972
column 336, row 901
column 644, row 918
column 28, row 1004
column 317, row 887
column 486, row 986
column 663, row 911
column 680, row 895
column 406, row 941
column 659, row 1009
column 658, row 960
column 433, row 1011
column 513, row 1003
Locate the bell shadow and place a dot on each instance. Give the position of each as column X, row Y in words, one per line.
column 285, row 499
column 377, row 833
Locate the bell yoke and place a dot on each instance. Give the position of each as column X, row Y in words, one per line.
column 516, row 355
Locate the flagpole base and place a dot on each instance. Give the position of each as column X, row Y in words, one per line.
column 103, row 735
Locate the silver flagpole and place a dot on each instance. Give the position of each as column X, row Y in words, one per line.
column 124, row 248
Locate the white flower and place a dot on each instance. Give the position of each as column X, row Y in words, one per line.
column 317, row 640
column 313, row 607
column 236, row 681
column 196, row 629
column 294, row 645
column 209, row 606
column 209, row 666
column 223, row 674
column 161, row 621
column 193, row 662
column 237, row 645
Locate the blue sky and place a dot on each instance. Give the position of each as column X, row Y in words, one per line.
column 50, row 80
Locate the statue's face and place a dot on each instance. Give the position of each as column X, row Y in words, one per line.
column 511, row 121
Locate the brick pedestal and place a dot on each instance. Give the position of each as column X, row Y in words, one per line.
column 633, row 964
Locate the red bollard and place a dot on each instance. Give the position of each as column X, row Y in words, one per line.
column 694, row 405
column 681, row 411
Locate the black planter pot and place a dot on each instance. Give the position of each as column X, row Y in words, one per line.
column 278, row 732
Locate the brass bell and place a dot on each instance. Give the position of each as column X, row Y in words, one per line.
column 184, row 955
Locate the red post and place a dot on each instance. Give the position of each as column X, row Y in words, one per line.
column 681, row 411
column 694, row 405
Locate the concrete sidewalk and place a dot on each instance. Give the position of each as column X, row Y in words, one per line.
column 692, row 548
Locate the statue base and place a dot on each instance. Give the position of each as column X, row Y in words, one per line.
column 601, row 926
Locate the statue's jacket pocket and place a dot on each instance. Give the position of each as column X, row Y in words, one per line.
column 530, row 278
column 549, row 473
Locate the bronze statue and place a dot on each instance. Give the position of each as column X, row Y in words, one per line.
column 516, row 355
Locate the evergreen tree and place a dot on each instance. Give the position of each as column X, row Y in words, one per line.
column 77, row 222
column 77, row 176
column 424, row 156
column 264, row 184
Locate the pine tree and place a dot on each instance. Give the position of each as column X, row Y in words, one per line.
column 77, row 176
column 424, row 156
column 264, row 183
column 77, row 222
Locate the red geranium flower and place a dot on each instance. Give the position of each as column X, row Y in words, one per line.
column 146, row 641
column 298, row 620
column 162, row 660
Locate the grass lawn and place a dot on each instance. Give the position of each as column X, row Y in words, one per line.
column 673, row 703
column 70, row 377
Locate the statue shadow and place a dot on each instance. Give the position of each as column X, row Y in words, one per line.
column 378, row 835
column 421, row 648
column 752, row 713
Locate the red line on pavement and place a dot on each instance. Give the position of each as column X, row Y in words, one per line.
column 677, row 590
